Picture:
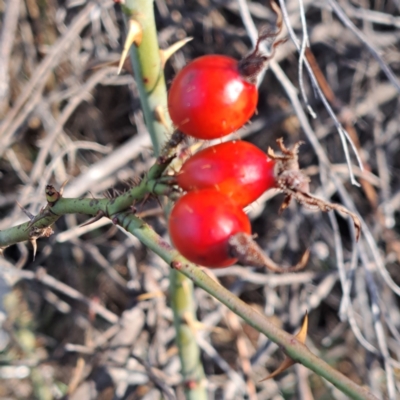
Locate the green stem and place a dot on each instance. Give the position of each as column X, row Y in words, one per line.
column 148, row 71
column 184, row 306
column 149, row 75
column 88, row 206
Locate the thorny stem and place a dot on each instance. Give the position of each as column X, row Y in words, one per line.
column 88, row 206
column 148, row 71
column 149, row 75
column 292, row 347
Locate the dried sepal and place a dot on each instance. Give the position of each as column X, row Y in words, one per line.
column 248, row 252
column 301, row 336
column 251, row 65
column 279, row 18
column 295, row 184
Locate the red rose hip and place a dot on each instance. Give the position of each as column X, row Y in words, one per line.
column 238, row 169
column 201, row 224
column 209, row 98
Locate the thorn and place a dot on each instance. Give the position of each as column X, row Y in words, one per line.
column 286, row 363
column 301, row 336
column 116, row 193
column 36, row 233
column 145, row 198
column 160, row 116
column 42, row 214
column 191, row 322
column 135, row 34
column 196, row 326
column 167, row 53
column 100, row 214
column 62, row 187
column 150, row 295
column 26, row 212
column 34, row 245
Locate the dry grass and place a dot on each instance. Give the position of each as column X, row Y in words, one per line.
column 90, row 317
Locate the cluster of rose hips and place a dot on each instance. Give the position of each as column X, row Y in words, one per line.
column 212, row 97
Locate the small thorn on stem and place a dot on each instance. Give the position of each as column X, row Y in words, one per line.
column 26, row 212
column 100, row 214
column 42, row 214
column 34, row 246
column 167, row 53
column 301, row 336
column 63, row 186
column 160, row 116
column 36, row 233
column 134, row 36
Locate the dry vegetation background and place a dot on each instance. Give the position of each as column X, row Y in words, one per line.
column 89, row 318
